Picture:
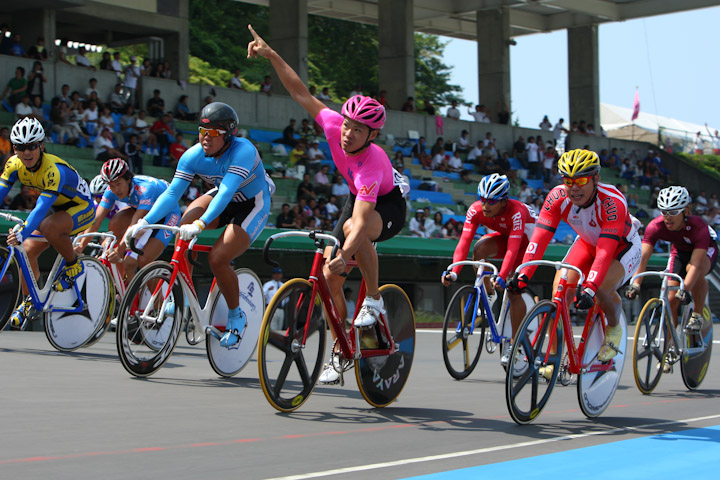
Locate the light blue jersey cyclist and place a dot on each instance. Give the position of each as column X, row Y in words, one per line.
column 240, row 201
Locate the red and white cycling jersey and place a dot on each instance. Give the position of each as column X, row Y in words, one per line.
column 604, row 225
column 515, row 224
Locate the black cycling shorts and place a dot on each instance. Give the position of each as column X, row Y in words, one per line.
column 391, row 207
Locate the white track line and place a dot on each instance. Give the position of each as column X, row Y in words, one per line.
column 445, row 456
column 439, row 330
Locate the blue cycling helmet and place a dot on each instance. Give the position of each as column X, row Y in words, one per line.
column 494, row 187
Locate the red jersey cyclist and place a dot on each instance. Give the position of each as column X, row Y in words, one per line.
column 512, row 223
column 607, row 247
column 375, row 210
column 693, row 252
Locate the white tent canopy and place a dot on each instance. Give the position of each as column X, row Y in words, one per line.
column 618, row 118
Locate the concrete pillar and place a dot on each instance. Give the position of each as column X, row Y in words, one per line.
column 176, row 47
column 493, row 44
column 583, row 75
column 35, row 23
column 289, row 37
column 396, row 67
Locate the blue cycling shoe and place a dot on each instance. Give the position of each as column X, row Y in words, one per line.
column 234, row 330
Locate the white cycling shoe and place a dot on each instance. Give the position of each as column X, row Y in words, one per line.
column 370, row 312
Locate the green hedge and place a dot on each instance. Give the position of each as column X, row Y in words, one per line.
column 709, row 164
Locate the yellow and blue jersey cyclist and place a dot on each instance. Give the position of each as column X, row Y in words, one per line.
column 62, row 189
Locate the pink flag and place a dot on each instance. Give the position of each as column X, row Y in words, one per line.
column 636, row 106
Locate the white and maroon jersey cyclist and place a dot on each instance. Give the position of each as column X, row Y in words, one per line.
column 512, row 229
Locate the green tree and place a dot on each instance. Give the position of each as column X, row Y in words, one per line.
column 432, row 76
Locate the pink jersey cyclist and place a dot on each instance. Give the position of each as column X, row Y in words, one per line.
column 695, row 235
column 511, row 229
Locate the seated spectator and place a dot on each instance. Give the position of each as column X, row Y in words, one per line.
column 266, row 86
column 298, row 155
column 449, row 230
column 61, row 124
column 440, row 162
column 116, row 64
column 409, row 105
column 333, row 210
column 421, row 226
column 340, row 190
column 429, row 108
column 146, row 68
column 159, row 71
column 302, row 212
column 39, row 113
column 156, row 105
column 118, row 99
column 38, row 51
column 92, row 116
column 142, row 128
column 315, row 155
column 476, row 154
column 236, row 81
column 133, row 152
column 398, row 162
column 305, row 189
column 525, row 193
column 163, row 132
column 17, row 49
column 463, row 143
column 92, row 87
column 324, row 95
column 127, row 122
column 182, row 111
column 177, row 148
column 106, row 61
column 106, row 120
column 6, row 150
column 104, row 149
column 545, row 124
column 94, row 98
column 455, row 163
column 82, row 61
column 25, row 200
column 437, row 231
column 16, row 87
column 321, row 184
column 286, row 218
column 307, row 133
column 23, row 109
column 419, row 152
column 288, row 135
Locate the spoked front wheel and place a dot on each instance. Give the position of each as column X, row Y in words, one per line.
column 225, row 361
column 67, row 330
column 149, row 320
column 650, row 346
column 461, row 343
column 9, row 286
column 533, row 366
column 597, row 381
column 292, row 344
column 382, row 378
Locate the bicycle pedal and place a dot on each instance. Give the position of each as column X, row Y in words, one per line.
column 211, row 330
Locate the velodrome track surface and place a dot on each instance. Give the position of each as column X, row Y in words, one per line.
column 81, row 415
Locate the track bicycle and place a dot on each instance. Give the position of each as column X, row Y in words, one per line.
column 292, row 337
column 73, row 317
column 470, row 308
column 526, row 395
column 658, row 343
column 149, row 323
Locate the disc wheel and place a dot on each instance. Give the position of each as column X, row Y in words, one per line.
column 9, row 287
column 147, row 331
column 527, row 393
column 68, row 331
column 461, row 343
column 650, row 346
column 225, row 361
column 696, row 352
column 292, row 343
column 596, row 387
column 382, row 378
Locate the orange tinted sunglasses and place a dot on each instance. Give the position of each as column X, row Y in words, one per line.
column 213, row 132
column 579, row 181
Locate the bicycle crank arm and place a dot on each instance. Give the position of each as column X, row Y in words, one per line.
column 211, row 330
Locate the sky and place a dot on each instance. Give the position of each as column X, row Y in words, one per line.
column 671, row 59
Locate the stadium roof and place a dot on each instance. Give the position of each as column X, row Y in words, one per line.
column 456, row 18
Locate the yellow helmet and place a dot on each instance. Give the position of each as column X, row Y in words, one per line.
column 578, row 163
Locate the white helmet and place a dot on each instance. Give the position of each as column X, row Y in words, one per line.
column 98, row 186
column 494, row 187
column 673, row 198
column 27, row 130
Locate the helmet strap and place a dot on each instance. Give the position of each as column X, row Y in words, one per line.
column 222, row 150
column 38, row 164
column 365, row 145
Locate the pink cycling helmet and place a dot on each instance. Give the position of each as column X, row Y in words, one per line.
column 365, row 110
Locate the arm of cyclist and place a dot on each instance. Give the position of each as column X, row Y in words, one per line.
column 634, row 289
column 461, row 250
column 115, row 255
column 44, row 202
column 100, row 214
column 693, row 272
column 513, row 250
column 545, row 228
column 290, row 80
column 360, row 223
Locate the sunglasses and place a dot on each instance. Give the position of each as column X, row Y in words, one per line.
column 579, row 181
column 671, row 213
column 27, row 146
column 212, row 132
column 488, row 201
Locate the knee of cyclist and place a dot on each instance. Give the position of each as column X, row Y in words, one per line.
column 217, row 261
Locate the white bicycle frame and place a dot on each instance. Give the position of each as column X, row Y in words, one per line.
column 105, row 248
